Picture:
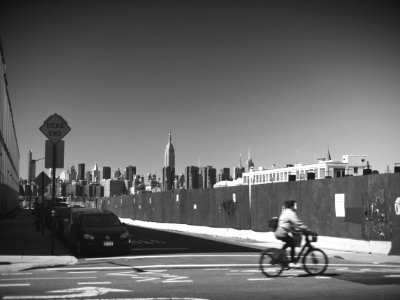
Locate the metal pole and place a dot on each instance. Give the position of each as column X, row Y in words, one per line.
column 42, row 207
column 53, row 197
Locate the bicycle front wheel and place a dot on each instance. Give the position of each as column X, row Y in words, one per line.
column 269, row 265
column 315, row 262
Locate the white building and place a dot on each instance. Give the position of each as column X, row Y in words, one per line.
column 350, row 165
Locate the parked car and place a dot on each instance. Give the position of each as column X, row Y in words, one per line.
column 71, row 217
column 99, row 232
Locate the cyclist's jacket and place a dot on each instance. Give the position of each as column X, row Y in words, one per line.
column 288, row 221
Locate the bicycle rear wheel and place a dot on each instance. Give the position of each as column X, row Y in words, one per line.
column 270, row 266
column 315, row 262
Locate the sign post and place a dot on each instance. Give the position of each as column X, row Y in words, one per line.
column 54, row 128
column 42, row 180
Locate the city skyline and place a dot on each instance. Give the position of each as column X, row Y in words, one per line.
column 287, row 79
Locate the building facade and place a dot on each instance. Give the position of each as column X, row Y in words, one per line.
column 9, row 151
column 350, row 165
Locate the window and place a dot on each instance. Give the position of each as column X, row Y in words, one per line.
column 355, row 170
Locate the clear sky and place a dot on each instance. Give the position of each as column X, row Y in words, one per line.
column 286, row 78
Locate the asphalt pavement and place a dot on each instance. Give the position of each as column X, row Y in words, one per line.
column 23, row 246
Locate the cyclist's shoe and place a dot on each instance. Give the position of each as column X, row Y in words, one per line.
column 294, row 265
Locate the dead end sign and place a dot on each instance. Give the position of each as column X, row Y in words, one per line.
column 55, row 128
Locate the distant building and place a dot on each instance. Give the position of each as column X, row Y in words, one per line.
column 130, row 172
column 81, row 171
column 168, row 172
column 113, row 187
column 117, row 174
column 224, row 174
column 73, row 174
column 238, row 171
column 96, row 174
column 106, row 173
column 350, row 165
column 167, row 178
column 192, row 177
column 250, row 163
column 31, row 167
column 169, row 154
column 88, row 176
column 208, row 177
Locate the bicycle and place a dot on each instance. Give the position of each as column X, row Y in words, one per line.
column 314, row 261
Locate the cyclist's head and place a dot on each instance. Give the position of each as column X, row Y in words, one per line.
column 290, row 204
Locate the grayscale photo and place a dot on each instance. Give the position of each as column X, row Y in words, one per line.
column 199, row 150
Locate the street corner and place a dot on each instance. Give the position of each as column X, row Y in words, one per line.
column 20, row 263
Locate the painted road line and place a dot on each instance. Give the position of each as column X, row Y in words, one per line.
column 158, row 249
column 94, row 282
column 12, row 274
column 216, row 269
column 46, row 278
column 82, row 272
column 173, row 256
column 259, row 279
column 14, row 284
column 393, row 275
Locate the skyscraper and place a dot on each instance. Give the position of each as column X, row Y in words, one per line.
column 81, row 171
column 130, row 172
column 169, row 165
column 31, row 167
column 250, row 163
column 96, row 174
column 106, row 173
column 169, row 157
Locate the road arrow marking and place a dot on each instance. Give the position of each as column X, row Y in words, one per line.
column 83, row 292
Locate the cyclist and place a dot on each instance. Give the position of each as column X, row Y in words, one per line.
column 287, row 223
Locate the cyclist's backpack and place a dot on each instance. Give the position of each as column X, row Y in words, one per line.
column 273, row 223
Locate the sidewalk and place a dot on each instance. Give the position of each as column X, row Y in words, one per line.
column 23, row 247
column 349, row 249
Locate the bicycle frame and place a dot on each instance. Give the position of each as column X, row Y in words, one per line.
column 307, row 247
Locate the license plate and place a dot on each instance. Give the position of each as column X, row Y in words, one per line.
column 108, row 244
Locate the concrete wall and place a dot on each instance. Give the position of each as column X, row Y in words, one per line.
column 368, row 207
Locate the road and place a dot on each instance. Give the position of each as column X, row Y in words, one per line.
column 171, row 266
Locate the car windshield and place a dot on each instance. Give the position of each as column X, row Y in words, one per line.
column 100, row 221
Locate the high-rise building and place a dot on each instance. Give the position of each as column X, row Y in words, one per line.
column 192, row 177
column 81, row 171
column 208, row 177
column 169, row 157
column 224, row 174
column 88, row 176
column 117, row 174
column 168, row 172
column 130, row 172
column 73, row 174
column 96, row 174
column 31, row 167
column 167, row 178
column 238, row 171
column 250, row 163
column 106, row 173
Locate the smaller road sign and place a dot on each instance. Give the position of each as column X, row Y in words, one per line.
column 55, row 128
column 42, row 179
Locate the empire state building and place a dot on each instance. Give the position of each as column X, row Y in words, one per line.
column 169, row 157
column 169, row 165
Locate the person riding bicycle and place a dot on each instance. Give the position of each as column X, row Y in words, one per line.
column 287, row 223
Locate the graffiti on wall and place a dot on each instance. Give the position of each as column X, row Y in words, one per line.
column 230, row 208
column 376, row 217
